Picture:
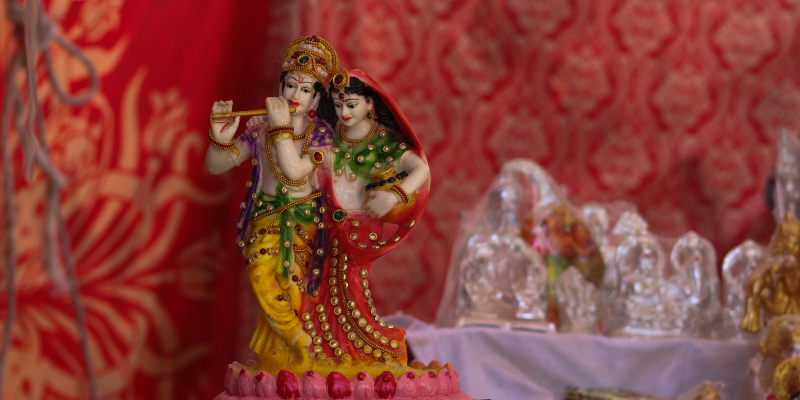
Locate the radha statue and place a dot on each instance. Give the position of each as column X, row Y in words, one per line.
column 375, row 175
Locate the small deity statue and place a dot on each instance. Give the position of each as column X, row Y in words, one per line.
column 706, row 391
column 511, row 248
column 776, row 367
column 738, row 265
column 641, row 261
column 565, row 240
column 774, row 288
column 504, row 277
column 693, row 288
column 786, row 380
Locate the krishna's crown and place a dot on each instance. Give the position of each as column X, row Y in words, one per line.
column 312, row 55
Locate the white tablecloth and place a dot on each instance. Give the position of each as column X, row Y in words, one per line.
column 519, row 365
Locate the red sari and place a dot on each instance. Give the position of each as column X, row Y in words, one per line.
column 338, row 310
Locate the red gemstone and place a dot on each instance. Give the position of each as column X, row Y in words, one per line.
column 263, row 251
column 295, row 278
column 280, row 297
column 312, row 114
column 351, row 145
column 361, row 376
column 297, row 227
column 431, row 374
column 410, row 375
column 317, row 156
column 341, row 95
column 262, row 231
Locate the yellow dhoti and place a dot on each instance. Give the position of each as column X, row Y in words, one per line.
column 279, row 247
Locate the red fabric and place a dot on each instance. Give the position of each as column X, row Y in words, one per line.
column 673, row 105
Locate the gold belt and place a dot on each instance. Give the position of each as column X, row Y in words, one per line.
column 287, row 206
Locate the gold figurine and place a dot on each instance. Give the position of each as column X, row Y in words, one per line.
column 774, row 287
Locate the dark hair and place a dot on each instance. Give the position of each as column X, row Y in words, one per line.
column 357, row 87
column 324, row 101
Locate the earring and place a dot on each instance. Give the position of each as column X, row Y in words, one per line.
column 371, row 114
column 312, row 114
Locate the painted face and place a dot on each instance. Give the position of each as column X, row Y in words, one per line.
column 298, row 90
column 352, row 109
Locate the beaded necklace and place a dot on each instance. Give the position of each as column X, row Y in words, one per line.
column 377, row 150
column 343, row 135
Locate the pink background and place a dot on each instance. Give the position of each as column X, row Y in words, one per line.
column 673, row 105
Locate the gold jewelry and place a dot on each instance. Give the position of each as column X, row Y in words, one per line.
column 396, row 189
column 287, row 206
column 371, row 114
column 217, row 143
column 306, row 135
column 312, row 55
column 280, row 129
column 343, row 134
column 284, row 135
column 341, row 80
column 317, row 156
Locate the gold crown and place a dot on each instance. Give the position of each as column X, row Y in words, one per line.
column 312, row 55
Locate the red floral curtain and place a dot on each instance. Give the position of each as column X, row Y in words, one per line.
column 673, row 105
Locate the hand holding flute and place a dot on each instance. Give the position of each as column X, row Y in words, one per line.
column 223, row 129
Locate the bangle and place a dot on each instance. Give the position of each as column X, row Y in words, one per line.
column 281, row 129
column 400, row 193
column 285, row 135
column 215, row 142
column 382, row 182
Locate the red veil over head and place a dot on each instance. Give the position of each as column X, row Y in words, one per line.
column 406, row 135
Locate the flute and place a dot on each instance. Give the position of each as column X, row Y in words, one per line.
column 245, row 113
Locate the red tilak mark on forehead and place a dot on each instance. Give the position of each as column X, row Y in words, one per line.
column 301, row 80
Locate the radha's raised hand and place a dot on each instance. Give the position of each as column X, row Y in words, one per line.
column 223, row 130
column 278, row 112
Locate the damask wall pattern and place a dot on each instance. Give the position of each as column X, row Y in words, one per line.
column 674, row 105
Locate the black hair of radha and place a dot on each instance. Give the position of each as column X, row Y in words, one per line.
column 325, row 102
column 357, row 87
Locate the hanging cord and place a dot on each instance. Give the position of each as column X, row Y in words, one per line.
column 37, row 30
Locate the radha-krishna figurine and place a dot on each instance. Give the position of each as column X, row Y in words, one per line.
column 346, row 182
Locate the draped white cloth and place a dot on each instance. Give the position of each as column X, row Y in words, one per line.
column 519, row 365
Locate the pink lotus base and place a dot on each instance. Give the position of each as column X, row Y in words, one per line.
column 240, row 384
